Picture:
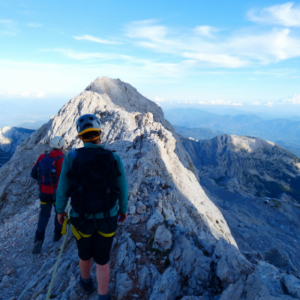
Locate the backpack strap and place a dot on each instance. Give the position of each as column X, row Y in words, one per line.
column 58, row 157
column 73, row 152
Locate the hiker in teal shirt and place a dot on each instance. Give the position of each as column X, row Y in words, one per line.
column 94, row 231
column 64, row 185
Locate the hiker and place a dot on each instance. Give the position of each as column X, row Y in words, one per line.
column 95, row 180
column 47, row 170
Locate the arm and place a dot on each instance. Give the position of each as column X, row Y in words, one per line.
column 121, row 183
column 63, row 186
column 34, row 171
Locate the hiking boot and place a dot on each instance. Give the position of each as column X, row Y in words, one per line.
column 88, row 287
column 37, row 247
column 57, row 236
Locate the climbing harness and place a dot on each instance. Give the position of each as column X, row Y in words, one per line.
column 64, row 231
column 78, row 234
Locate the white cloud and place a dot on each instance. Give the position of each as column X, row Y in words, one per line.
column 146, row 29
column 159, row 100
column 220, row 102
column 255, row 103
column 40, row 95
column 295, row 99
column 270, row 104
column 95, row 39
column 207, row 31
column 8, row 27
column 281, row 14
column 218, row 60
column 89, row 55
column 32, row 24
column 22, row 94
column 239, row 49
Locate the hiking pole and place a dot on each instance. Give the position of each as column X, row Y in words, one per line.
column 60, row 253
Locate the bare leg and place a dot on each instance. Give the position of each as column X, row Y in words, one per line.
column 85, row 268
column 103, row 274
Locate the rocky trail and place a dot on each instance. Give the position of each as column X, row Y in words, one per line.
column 175, row 244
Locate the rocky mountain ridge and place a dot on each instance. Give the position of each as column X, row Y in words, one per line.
column 175, row 243
column 247, row 165
column 243, row 124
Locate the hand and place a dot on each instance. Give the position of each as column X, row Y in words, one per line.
column 122, row 217
column 61, row 218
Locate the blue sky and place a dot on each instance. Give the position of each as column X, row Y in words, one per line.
column 242, row 54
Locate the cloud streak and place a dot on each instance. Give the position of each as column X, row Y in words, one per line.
column 22, row 94
column 220, row 102
column 201, row 44
column 95, row 39
column 32, row 24
column 283, row 14
column 8, row 27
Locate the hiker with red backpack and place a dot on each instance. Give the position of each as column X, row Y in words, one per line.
column 47, row 170
column 95, row 180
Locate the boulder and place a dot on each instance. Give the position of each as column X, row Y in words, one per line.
column 155, row 220
column 163, row 237
column 167, row 287
column 230, row 264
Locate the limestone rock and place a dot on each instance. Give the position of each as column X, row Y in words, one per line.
column 264, row 283
column 155, row 220
column 140, row 207
column 155, row 275
column 163, row 237
column 124, row 285
column 143, row 274
column 167, row 286
column 292, row 285
column 190, row 261
column 230, row 263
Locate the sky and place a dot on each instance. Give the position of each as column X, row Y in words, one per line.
column 205, row 54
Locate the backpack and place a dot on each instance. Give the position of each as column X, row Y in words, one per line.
column 91, row 181
column 47, row 170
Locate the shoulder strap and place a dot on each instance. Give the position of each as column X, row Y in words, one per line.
column 58, row 157
column 73, row 152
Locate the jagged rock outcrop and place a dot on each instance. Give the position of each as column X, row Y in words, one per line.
column 164, row 196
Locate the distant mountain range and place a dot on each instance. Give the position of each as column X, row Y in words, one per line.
column 32, row 125
column 282, row 131
column 198, row 133
column 10, row 139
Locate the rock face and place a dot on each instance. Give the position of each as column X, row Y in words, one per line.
column 236, row 172
column 196, row 254
column 247, row 165
column 10, row 138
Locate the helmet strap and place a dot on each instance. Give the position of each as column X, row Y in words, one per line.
column 91, row 140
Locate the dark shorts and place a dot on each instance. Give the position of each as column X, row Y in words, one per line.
column 99, row 241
